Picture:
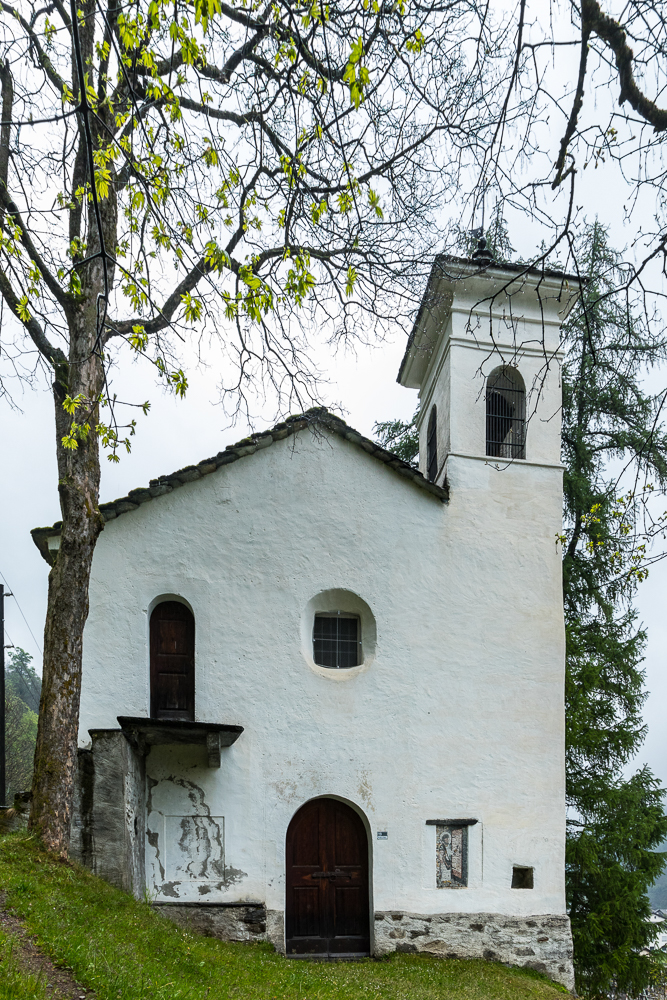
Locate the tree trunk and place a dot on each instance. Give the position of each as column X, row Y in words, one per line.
column 67, row 609
column 81, row 377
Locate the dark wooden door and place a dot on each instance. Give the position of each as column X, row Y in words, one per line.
column 172, row 662
column 326, row 911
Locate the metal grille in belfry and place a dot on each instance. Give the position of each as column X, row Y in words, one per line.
column 336, row 641
column 505, row 416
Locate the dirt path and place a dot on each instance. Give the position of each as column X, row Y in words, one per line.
column 60, row 984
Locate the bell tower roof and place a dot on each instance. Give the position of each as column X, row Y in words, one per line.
column 485, row 354
column 482, row 287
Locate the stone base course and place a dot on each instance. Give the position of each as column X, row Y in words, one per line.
column 542, row 942
column 230, row 923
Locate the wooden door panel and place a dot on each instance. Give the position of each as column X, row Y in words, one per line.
column 350, row 844
column 172, row 636
column 306, row 911
column 172, row 631
column 306, row 841
column 326, row 904
column 348, row 921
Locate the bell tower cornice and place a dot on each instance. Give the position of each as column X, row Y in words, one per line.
column 508, row 293
column 485, row 354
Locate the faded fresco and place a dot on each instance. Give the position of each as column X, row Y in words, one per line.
column 451, row 857
column 195, row 848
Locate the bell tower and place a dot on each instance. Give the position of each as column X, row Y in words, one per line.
column 485, row 354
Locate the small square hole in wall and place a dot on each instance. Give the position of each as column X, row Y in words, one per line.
column 522, row 878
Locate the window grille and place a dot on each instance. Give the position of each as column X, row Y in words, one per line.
column 432, row 446
column 505, row 414
column 336, row 641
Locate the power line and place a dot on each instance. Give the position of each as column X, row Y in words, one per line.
column 13, row 594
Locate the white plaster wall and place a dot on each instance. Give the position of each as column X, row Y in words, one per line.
column 459, row 714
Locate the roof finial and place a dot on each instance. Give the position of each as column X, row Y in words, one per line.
column 481, row 255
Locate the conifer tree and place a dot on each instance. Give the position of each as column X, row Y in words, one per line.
column 399, row 436
column 22, row 679
column 615, row 822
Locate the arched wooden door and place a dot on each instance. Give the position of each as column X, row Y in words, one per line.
column 326, row 906
column 172, row 662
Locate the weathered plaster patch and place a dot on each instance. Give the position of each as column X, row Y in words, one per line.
column 189, row 846
column 195, row 847
column 153, row 839
column 286, row 790
column 232, row 876
column 169, row 889
column 365, row 789
column 150, row 785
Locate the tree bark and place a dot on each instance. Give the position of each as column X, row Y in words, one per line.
column 67, row 609
column 78, row 487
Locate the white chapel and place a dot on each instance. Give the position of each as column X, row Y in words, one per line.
column 323, row 691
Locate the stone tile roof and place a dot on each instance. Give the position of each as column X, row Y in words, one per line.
column 317, row 418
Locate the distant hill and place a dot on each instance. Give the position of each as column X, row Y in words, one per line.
column 658, row 891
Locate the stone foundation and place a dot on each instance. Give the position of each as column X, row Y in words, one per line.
column 230, row 923
column 542, row 942
column 275, row 929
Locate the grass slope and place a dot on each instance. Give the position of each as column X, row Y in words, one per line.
column 15, row 984
column 122, row 949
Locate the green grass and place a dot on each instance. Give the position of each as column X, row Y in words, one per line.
column 15, row 984
column 122, row 949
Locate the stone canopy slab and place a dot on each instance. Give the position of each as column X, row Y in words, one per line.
column 142, row 734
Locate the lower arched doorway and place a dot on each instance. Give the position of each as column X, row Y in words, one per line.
column 326, row 905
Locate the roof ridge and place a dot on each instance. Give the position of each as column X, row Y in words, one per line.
column 246, row 446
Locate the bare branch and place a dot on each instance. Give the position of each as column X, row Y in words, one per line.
column 576, row 109
column 5, row 130
column 610, row 32
column 42, row 57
